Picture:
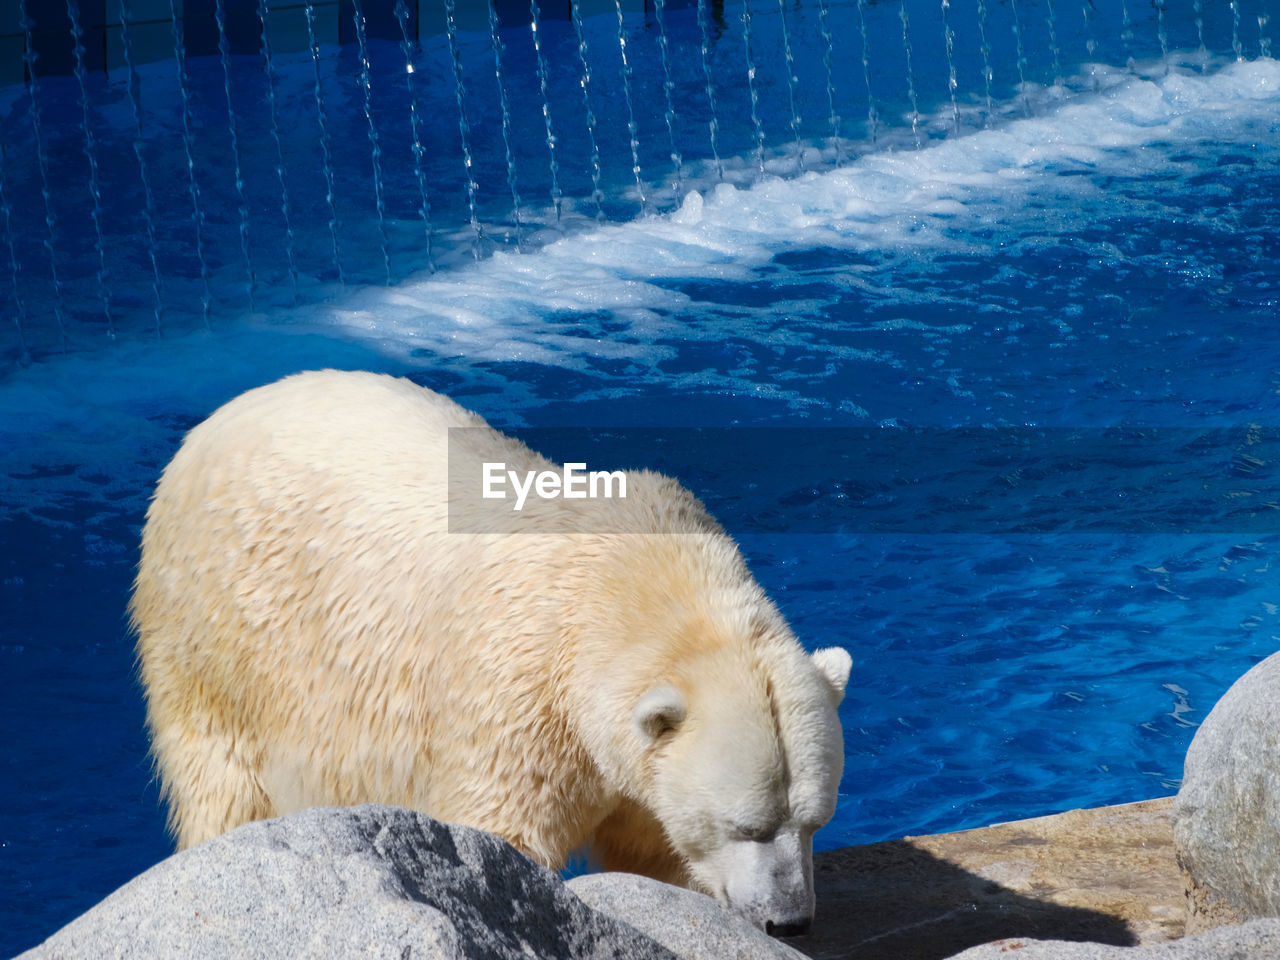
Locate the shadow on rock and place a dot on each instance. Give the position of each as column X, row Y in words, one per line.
column 895, row 901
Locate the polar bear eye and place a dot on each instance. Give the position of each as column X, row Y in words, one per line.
column 753, row 832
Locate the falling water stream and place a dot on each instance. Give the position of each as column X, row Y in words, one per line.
column 1090, row 42
column 290, row 241
column 464, row 125
column 911, row 74
column 828, row 57
column 873, row 116
column 668, row 87
column 20, row 306
column 632, row 128
column 1022, row 57
column 495, row 40
column 375, row 142
column 139, row 152
column 242, row 204
column 193, row 183
column 415, row 129
column 793, row 113
column 949, row 44
column 752, row 87
column 713, row 121
column 91, row 156
column 1162, row 32
column 42, row 159
column 984, row 47
column 326, row 153
column 1197, row 10
column 597, row 194
column 553, row 163
column 1051, row 19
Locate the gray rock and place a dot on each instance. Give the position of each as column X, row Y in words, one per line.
column 690, row 925
column 367, row 882
column 1256, row 940
column 1226, row 817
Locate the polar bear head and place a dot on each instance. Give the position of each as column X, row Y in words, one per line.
column 746, row 753
column 700, row 709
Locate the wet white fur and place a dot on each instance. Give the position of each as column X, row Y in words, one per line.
column 310, row 633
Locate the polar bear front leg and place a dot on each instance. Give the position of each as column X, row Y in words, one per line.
column 210, row 785
column 631, row 840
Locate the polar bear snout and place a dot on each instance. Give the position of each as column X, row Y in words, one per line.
column 786, row 913
column 771, row 883
column 796, row 928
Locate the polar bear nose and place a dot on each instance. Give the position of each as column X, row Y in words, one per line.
column 787, row 928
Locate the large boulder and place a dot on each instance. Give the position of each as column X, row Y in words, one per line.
column 1226, row 818
column 691, row 925
column 366, row 882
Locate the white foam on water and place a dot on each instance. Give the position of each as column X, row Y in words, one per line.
column 99, row 411
column 893, row 200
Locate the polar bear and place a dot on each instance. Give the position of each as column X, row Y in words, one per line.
column 310, row 632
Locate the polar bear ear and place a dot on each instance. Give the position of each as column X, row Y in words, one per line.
column 834, row 663
column 659, row 710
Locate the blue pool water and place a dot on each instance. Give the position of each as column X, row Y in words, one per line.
column 1084, row 256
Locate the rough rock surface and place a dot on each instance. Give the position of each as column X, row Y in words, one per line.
column 366, row 882
column 1106, row 875
column 1226, row 817
column 1257, row 940
column 691, row 925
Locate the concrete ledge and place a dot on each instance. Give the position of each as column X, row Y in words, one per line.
column 1107, row 875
